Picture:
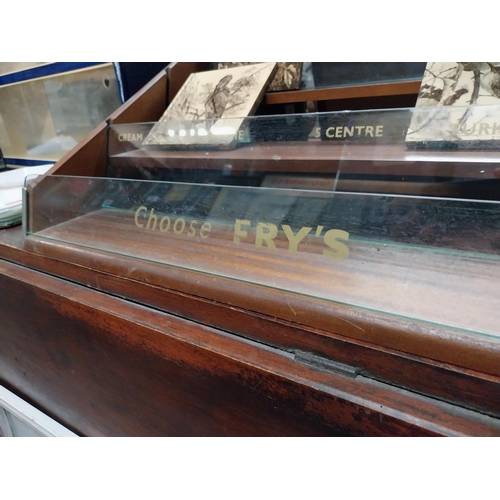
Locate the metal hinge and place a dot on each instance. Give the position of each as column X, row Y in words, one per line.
column 326, row 364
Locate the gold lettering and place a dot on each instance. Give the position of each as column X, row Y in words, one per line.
column 359, row 130
column 348, row 131
column 471, row 131
column 341, row 249
column 192, row 230
column 136, row 218
column 206, row 227
column 483, row 127
column 130, row 137
column 240, row 135
column 162, row 229
column 238, row 232
column 153, row 218
column 293, row 239
column 266, row 232
column 183, row 225
column 317, row 132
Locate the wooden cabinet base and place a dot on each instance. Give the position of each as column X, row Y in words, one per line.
column 101, row 365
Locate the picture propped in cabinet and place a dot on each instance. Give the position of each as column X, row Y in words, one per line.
column 287, row 77
column 458, row 107
column 210, row 107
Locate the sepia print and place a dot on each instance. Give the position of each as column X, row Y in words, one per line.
column 209, row 108
column 458, row 106
column 288, row 75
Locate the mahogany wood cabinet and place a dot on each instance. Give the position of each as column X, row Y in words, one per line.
column 109, row 344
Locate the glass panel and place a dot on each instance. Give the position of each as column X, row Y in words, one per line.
column 44, row 118
column 432, row 259
column 414, row 151
column 370, row 209
column 338, row 74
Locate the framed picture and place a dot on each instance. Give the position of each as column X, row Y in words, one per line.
column 210, row 107
column 458, row 106
column 287, row 77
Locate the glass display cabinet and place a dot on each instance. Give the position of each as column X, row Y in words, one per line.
column 340, row 207
column 328, row 273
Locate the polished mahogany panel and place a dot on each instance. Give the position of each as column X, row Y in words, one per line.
column 104, row 366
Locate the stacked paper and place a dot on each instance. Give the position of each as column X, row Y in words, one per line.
column 11, row 184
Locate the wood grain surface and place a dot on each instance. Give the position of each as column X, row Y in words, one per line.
column 353, row 337
column 105, row 366
column 147, row 105
column 263, row 313
column 418, row 283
